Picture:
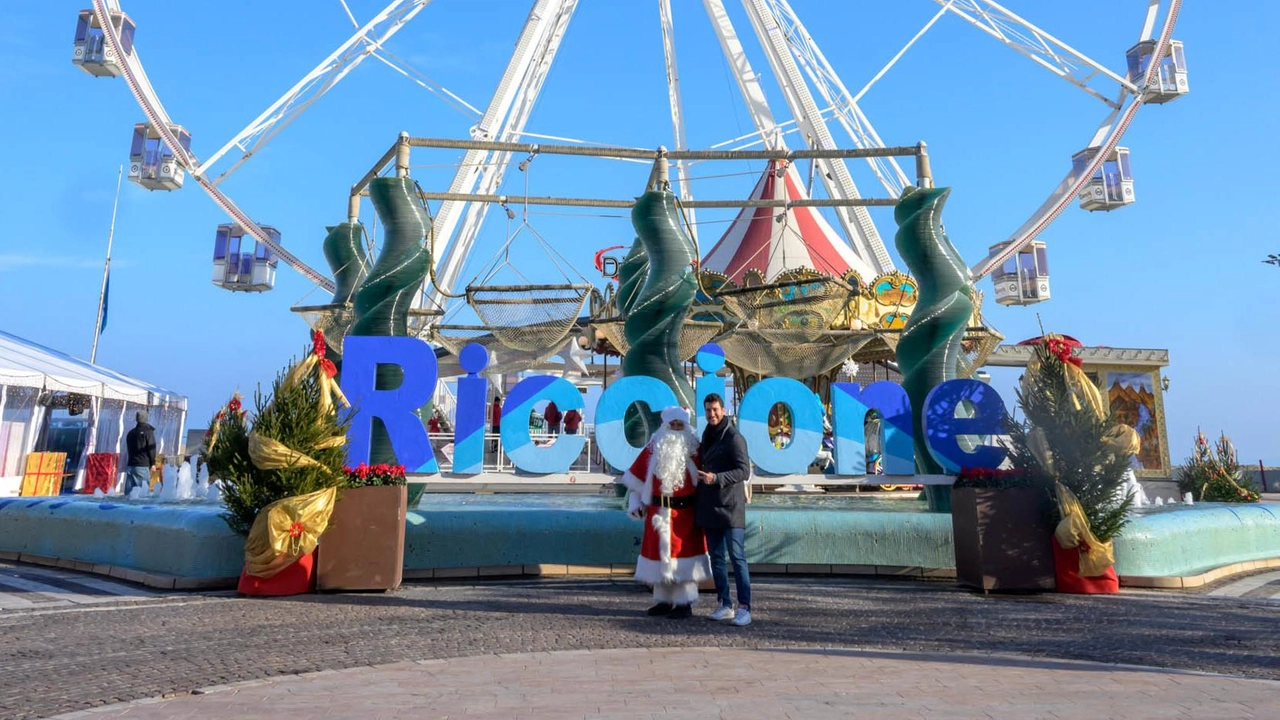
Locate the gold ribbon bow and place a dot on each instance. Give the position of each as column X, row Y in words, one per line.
column 286, row 530
column 1073, row 532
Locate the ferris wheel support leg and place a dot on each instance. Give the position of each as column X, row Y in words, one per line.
column 748, row 80
column 856, row 221
column 677, row 109
column 537, row 45
column 843, row 105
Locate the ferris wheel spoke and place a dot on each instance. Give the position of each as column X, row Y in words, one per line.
column 390, row 59
column 366, row 40
column 1044, row 49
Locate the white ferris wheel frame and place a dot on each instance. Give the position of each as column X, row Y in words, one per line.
column 793, row 57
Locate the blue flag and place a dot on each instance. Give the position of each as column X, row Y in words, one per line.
column 106, row 294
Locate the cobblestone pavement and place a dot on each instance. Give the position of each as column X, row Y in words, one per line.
column 75, row 658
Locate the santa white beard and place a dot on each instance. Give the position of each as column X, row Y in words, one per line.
column 672, row 450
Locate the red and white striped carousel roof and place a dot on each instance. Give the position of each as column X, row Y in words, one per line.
column 773, row 241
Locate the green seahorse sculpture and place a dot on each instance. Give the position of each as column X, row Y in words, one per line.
column 631, row 274
column 349, row 263
column 383, row 299
column 344, row 249
column 930, row 343
column 656, row 312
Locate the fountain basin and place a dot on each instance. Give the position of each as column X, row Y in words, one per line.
column 456, row 535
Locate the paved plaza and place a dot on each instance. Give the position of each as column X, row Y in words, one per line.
column 820, row 647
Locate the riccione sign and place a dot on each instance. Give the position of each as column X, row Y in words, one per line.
column 396, row 409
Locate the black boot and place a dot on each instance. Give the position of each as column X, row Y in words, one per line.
column 680, row 612
column 661, row 608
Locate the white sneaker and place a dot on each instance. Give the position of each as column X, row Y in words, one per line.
column 724, row 612
column 742, row 618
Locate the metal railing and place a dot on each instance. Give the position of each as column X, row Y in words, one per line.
column 496, row 459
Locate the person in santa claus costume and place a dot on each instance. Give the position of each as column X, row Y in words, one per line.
column 663, row 484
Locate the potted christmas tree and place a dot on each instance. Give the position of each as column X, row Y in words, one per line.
column 1215, row 475
column 280, row 471
column 1001, row 523
column 363, row 549
column 1071, row 439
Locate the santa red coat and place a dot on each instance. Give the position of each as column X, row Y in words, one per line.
column 673, row 548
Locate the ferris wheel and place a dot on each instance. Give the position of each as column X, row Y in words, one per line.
column 823, row 114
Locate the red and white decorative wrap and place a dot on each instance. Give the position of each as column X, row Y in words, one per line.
column 673, row 550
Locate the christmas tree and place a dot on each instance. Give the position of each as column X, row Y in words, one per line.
column 1215, row 476
column 1070, row 439
column 294, row 444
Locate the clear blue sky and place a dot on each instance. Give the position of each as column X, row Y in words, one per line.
column 1179, row 270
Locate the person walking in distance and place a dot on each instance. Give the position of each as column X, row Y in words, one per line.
column 140, row 444
column 722, row 508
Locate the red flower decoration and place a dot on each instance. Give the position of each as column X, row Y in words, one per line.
column 234, row 405
column 1063, row 351
column 296, row 530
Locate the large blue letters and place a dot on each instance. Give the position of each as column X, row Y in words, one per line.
column 806, row 421
column 396, row 408
column 516, row 440
column 468, row 422
column 943, row 429
column 849, row 408
column 611, row 436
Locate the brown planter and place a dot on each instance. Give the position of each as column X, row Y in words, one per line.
column 1002, row 539
column 363, row 549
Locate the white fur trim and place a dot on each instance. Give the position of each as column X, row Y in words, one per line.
column 675, row 412
column 632, row 482
column 635, row 503
column 685, row 593
column 662, row 524
column 664, row 593
column 686, row 569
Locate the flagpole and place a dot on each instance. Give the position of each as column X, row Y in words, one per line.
column 106, row 271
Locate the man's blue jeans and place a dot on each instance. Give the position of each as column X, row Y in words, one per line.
column 137, row 477
column 734, row 539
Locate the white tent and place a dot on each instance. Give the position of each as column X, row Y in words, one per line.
column 32, row 380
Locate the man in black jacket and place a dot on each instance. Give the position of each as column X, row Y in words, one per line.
column 722, row 508
column 141, row 446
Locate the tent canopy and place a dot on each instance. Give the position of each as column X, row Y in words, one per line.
column 774, row 240
column 27, row 364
